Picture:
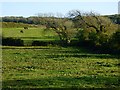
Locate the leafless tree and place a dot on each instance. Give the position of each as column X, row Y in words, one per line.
column 91, row 20
column 63, row 27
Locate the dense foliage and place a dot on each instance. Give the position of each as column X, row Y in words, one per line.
column 29, row 20
column 100, row 32
column 15, row 25
column 115, row 18
column 42, row 20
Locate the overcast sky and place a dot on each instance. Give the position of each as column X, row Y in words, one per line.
column 27, row 9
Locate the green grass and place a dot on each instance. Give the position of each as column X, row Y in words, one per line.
column 58, row 67
column 55, row 67
column 29, row 34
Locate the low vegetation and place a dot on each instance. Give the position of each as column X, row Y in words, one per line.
column 58, row 67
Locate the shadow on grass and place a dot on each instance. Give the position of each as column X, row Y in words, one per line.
column 64, row 82
column 85, row 56
column 25, row 47
column 70, row 52
column 90, row 52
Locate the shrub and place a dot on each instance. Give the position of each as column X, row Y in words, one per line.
column 12, row 42
column 45, row 43
column 115, row 42
column 25, row 27
column 39, row 43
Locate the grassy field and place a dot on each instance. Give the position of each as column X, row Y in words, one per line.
column 31, row 33
column 55, row 66
column 58, row 67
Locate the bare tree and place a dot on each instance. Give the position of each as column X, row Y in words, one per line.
column 63, row 27
column 91, row 20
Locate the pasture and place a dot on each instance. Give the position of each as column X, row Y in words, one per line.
column 54, row 66
column 58, row 67
column 29, row 34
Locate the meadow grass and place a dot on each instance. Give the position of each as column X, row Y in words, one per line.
column 31, row 33
column 58, row 67
column 55, row 67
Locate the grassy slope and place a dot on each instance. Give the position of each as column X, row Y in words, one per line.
column 28, row 33
column 41, row 67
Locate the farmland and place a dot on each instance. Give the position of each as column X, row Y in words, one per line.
column 54, row 66
column 58, row 67
column 44, row 46
column 58, row 53
column 31, row 33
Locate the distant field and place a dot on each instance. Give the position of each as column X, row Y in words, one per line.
column 58, row 67
column 29, row 34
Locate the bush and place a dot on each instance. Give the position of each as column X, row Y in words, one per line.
column 115, row 42
column 39, row 43
column 0, row 39
column 45, row 43
column 12, row 42
column 25, row 27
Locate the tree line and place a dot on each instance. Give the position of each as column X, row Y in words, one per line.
column 41, row 19
column 29, row 20
column 88, row 28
